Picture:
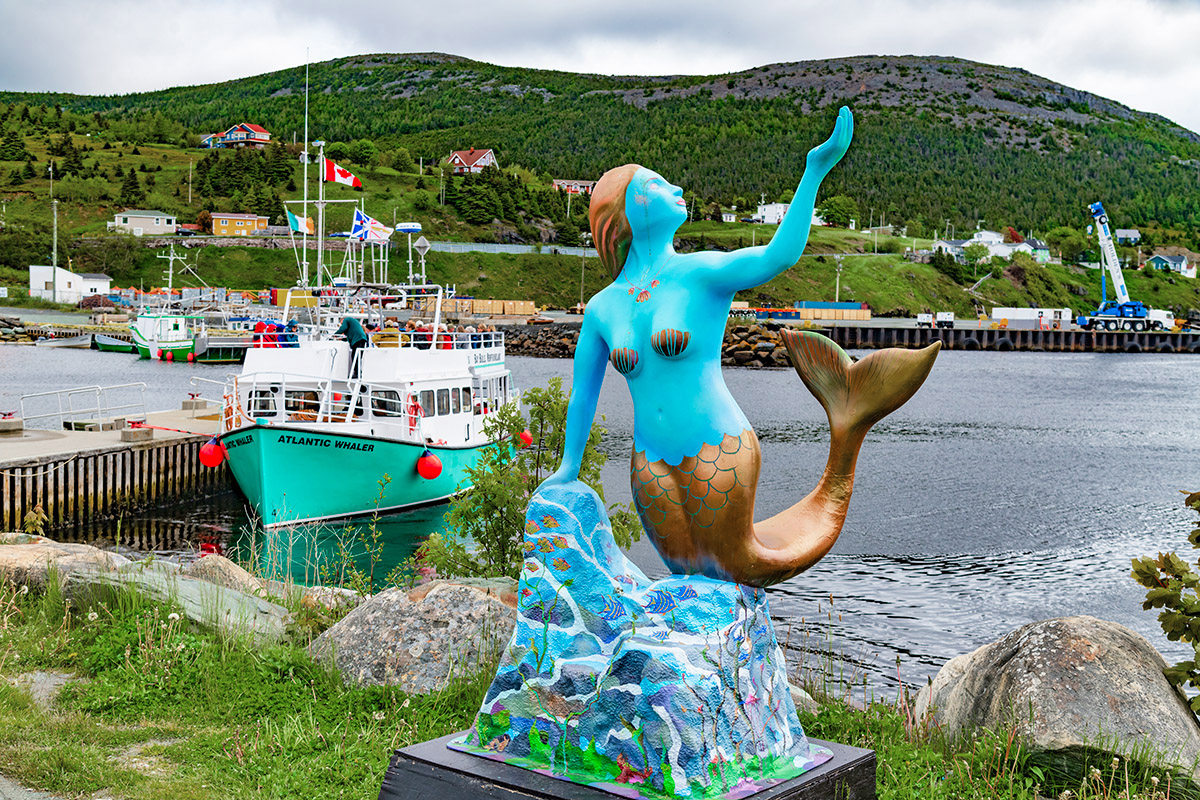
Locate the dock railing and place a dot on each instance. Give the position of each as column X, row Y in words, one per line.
column 85, row 403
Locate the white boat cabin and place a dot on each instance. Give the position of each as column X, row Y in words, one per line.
column 408, row 388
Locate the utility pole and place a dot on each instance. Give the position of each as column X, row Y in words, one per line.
column 837, row 292
column 190, row 181
column 54, row 283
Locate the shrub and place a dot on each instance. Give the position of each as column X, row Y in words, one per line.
column 485, row 525
column 1175, row 588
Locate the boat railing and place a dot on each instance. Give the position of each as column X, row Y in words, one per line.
column 427, row 339
column 279, row 397
column 85, row 403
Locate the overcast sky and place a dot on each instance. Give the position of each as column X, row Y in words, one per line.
column 1143, row 53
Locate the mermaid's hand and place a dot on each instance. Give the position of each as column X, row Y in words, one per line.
column 822, row 158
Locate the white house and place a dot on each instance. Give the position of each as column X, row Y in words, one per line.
column 993, row 241
column 464, row 161
column 771, row 213
column 728, row 216
column 63, row 286
column 143, row 223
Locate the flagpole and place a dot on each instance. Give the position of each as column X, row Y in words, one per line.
column 320, row 212
column 304, row 242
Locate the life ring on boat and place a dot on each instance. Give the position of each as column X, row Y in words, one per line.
column 415, row 412
column 228, row 413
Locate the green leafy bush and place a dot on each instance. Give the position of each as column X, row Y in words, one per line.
column 485, row 524
column 1175, row 588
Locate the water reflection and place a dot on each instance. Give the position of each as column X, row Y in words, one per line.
column 327, row 553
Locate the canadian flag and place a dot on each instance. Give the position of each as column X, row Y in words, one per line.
column 339, row 175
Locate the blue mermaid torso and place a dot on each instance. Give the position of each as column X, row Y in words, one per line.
column 668, row 349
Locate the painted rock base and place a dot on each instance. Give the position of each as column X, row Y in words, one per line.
column 429, row 771
column 675, row 688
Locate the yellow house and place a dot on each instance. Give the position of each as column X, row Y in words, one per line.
column 237, row 224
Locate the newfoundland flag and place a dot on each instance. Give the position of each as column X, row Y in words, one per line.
column 340, row 175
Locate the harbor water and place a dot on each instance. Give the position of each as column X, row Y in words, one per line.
column 1011, row 488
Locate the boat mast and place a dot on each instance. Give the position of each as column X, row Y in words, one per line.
column 304, row 158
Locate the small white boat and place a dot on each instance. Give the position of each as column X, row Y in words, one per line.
column 84, row 341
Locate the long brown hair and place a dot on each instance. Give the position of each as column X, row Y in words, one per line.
column 610, row 226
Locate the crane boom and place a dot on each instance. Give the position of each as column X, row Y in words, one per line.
column 1108, row 252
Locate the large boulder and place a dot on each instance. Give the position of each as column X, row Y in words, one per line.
column 421, row 639
column 27, row 560
column 82, row 570
column 223, row 572
column 1075, row 689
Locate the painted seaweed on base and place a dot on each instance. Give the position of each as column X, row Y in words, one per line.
column 664, row 689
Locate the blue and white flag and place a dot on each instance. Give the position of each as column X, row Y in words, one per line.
column 368, row 229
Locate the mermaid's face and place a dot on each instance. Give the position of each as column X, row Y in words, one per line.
column 653, row 202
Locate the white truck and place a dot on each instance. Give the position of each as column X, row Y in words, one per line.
column 943, row 319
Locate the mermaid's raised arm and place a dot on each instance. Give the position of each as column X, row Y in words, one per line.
column 591, row 357
column 752, row 266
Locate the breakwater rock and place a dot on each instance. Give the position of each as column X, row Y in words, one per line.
column 744, row 345
column 1077, row 691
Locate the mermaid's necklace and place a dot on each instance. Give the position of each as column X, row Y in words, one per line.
column 648, row 280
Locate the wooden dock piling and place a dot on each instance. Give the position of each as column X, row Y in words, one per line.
column 83, row 477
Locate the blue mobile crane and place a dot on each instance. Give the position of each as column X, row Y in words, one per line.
column 1123, row 313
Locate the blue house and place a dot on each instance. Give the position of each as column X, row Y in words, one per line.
column 1173, row 263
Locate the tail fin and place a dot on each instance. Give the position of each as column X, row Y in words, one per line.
column 856, row 395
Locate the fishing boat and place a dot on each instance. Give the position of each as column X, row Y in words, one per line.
column 167, row 336
column 311, row 434
column 83, row 341
column 110, row 344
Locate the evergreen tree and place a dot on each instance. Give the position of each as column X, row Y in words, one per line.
column 14, row 177
column 28, row 173
column 131, row 190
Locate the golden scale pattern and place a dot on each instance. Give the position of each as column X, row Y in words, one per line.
column 702, row 485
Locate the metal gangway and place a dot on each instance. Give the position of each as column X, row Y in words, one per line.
column 84, row 403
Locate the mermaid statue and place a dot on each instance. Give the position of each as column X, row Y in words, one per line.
column 677, row 687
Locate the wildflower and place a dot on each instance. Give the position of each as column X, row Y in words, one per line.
column 1154, row 781
column 1094, row 773
column 25, row 589
column 379, row 716
column 405, row 704
column 173, row 617
column 1116, row 762
column 93, row 616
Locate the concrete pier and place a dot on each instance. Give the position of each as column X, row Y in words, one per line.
column 1051, row 341
column 79, row 476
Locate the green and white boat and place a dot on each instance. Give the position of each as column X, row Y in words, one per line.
column 307, row 441
column 167, row 337
column 185, row 337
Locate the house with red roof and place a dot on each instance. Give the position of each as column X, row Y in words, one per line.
column 573, row 187
column 464, row 161
column 244, row 134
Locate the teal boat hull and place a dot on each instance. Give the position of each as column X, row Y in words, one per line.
column 292, row 476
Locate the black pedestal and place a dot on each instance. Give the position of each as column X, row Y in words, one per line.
column 432, row 771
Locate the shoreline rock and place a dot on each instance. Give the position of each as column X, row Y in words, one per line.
column 1073, row 688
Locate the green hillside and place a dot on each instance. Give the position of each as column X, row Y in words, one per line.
column 937, row 138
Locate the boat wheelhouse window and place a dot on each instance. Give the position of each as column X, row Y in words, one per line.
column 443, row 402
column 427, row 402
column 301, row 402
column 262, row 402
column 466, row 398
column 454, row 406
column 386, row 404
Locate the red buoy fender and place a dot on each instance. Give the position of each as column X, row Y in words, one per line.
column 429, row 466
column 212, row 453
